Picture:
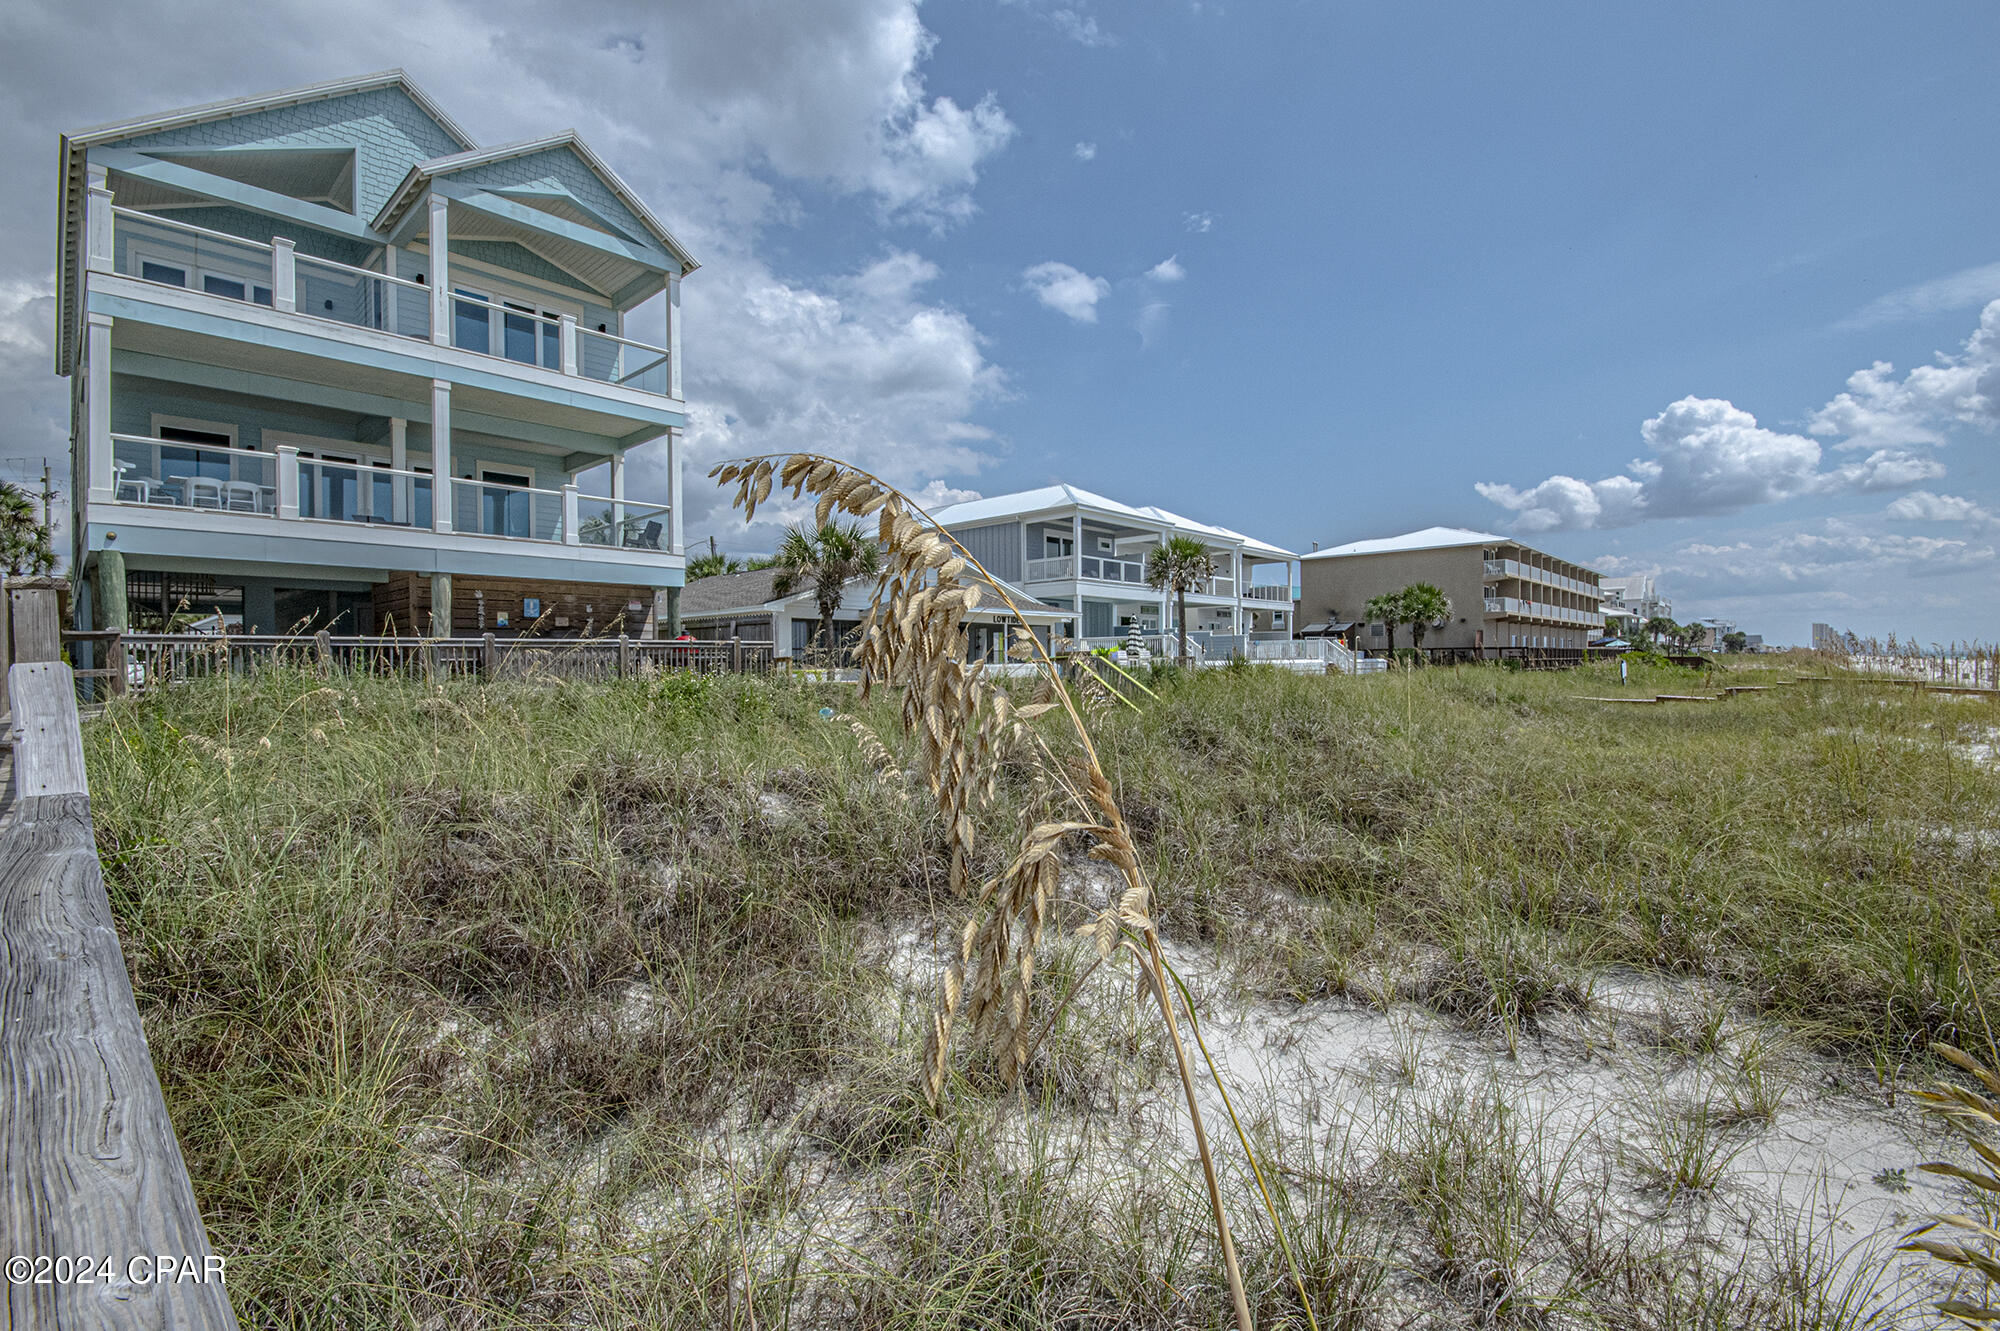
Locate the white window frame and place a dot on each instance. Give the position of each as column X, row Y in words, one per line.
column 162, row 421
column 138, row 253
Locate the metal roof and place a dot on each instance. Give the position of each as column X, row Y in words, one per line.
column 1430, row 538
column 1053, row 497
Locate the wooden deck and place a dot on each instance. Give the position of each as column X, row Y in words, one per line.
column 96, row 1195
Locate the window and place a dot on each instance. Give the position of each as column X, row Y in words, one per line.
column 235, row 288
column 504, row 511
column 471, row 326
column 1055, row 547
column 163, row 272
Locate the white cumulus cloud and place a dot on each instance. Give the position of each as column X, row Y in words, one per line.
column 1925, row 506
column 1167, row 270
column 1085, row 151
column 1963, row 388
column 1067, row 290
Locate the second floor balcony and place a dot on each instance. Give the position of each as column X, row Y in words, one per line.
column 163, row 252
column 210, row 488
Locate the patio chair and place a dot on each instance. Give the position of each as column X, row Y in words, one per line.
column 201, row 491
column 649, row 539
column 242, row 497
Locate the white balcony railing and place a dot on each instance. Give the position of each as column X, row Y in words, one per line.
column 1113, row 570
column 1267, row 593
column 169, row 253
column 164, row 473
column 619, row 522
column 175, row 254
column 1057, row 568
column 1511, row 568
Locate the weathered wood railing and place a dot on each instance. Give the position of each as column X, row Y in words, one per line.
column 146, row 660
column 100, row 1218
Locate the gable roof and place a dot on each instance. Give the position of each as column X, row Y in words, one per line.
column 75, row 145
column 1023, row 502
column 437, row 168
column 236, row 106
column 1430, row 538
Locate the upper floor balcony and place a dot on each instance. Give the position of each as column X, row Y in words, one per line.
column 371, row 512
column 1514, row 568
column 322, row 296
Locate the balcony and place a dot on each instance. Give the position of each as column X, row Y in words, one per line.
column 217, row 488
column 162, row 252
column 1268, row 593
column 1092, row 568
column 1512, row 568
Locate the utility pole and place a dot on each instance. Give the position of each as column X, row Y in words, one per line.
column 48, row 498
column 711, row 546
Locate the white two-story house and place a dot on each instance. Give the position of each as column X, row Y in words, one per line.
column 1086, row 554
column 336, row 366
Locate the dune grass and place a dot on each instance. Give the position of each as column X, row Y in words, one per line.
column 532, row 1003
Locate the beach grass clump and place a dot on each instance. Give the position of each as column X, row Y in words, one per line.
column 518, row 1003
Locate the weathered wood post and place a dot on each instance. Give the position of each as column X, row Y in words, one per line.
column 736, row 655
column 487, row 659
column 91, row 1164
column 323, row 647
column 624, row 656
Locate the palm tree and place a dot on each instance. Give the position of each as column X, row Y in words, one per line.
column 1388, row 607
column 709, row 565
column 24, row 542
column 1183, row 564
column 828, row 558
column 1426, row 607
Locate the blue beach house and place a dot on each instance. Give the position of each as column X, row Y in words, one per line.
column 335, row 366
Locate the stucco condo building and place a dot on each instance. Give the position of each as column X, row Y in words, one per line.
column 1503, row 594
column 335, row 365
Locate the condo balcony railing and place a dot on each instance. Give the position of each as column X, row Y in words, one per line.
column 1562, row 614
column 286, row 485
column 1513, row 568
column 1267, row 593
column 176, row 254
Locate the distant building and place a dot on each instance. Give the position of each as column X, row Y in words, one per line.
column 1087, row 554
column 1503, row 593
column 1825, row 639
column 1632, row 599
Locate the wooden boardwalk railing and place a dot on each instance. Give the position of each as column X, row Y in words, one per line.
column 99, row 1216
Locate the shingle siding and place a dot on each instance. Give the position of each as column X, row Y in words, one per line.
column 389, row 132
column 557, row 168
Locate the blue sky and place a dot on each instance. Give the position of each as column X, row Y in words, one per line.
column 1314, row 271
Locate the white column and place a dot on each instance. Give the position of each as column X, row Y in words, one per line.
column 288, row 481
column 674, row 537
column 674, row 335
column 1024, row 551
column 284, row 274
column 617, row 495
column 566, row 338
column 440, row 242
column 570, row 534
column 441, row 490
column 389, row 321
column 97, row 407
column 1166, row 601
column 98, row 240
column 1076, row 572
column 399, row 461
